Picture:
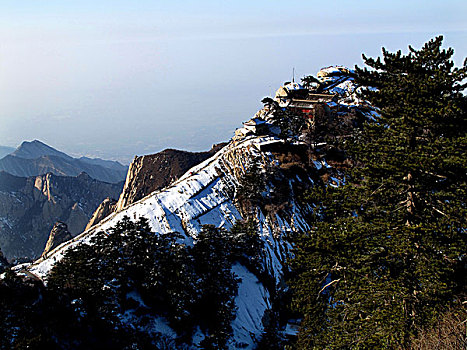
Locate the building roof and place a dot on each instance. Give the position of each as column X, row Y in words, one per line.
column 301, row 104
column 288, row 89
column 311, row 100
column 319, row 98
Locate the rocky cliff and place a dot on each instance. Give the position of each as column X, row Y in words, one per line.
column 29, row 207
column 104, row 209
column 58, row 235
column 152, row 172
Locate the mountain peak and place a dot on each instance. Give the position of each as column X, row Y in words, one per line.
column 36, row 149
column 36, row 142
column 34, row 158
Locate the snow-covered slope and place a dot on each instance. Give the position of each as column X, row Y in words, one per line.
column 209, row 193
column 206, row 194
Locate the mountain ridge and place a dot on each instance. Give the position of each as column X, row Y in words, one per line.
column 36, row 149
column 5, row 150
column 34, row 158
column 260, row 175
column 205, row 195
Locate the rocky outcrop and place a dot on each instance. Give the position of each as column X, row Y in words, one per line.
column 58, row 235
column 152, row 172
column 29, row 207
column 106, row 208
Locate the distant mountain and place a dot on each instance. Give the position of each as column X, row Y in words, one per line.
column 109, row 164
column 4, row 150
column 36, row 149
column 36, row 158
column 11, row 183
column 29, row 208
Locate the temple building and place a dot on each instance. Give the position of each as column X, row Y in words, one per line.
column 297, row 98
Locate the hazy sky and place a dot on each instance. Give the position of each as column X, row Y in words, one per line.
column 115, row 78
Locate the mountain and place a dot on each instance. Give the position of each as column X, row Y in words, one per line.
column 29, row 207
column 149, row 173
column 36, row 149
column 259, row 176
column 36, row 158
column 108, row 164
column 104, row 209
column 4, row 150
column 58, row 235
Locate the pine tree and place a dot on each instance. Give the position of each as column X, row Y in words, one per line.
column 388, row 249
column 310, row 82
column 212, row 257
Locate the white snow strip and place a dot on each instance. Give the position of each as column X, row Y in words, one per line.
column 252, row 301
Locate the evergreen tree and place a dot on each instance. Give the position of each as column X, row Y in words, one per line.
column 190, row 287
column 212, row 256
column 388, row 249
column 290, row 122
column 3, row 262
column 310, row 82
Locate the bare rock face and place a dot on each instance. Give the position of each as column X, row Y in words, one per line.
column 153, row 172
column 58, row 235
column 106, row 208
column 29, row 208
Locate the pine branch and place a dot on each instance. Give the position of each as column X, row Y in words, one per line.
column 327, row 285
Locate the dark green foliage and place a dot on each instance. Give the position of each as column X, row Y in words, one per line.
column 309, row 80
column 271, row 339
column 253, row 184
column 3, row 262
column 387, row 251
column 289, row 121
column 211, row 253
column 34, row 317
column 133, row 271
column 188, row 286
column 248, row 246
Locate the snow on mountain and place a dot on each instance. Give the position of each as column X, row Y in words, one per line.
column 209, row 193
column 206, row 195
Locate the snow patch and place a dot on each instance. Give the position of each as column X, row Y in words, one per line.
column 252, row 301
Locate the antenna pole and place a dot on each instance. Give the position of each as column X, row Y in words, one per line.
column 293, row 74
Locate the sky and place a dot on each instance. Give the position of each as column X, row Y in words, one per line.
column 119, row 78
